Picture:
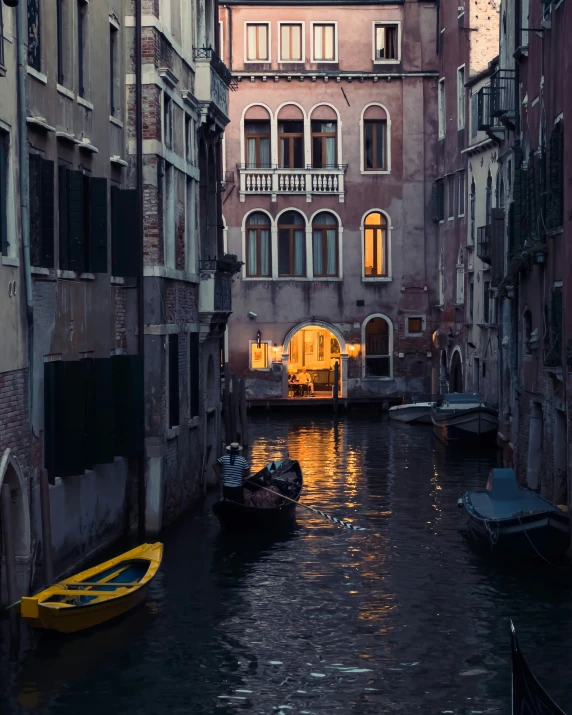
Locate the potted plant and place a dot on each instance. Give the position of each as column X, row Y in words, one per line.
column 229, row 263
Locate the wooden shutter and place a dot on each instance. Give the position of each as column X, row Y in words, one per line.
column 35, row 192
column 194, row 373
column 3, row 192
column 100, row 412
column 75, row 182
column 126, row 242
column 173, row 380
column 47, row 213
column 63, row 218
column 497, row 246
column 128, row 404
column 52, row 388
column 98, row 225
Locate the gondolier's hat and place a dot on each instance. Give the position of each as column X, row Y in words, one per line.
column 234, row 447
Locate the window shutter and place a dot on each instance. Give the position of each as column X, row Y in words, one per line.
column 63, row 218
column 35, row 192
column 3, row 192
column 52, row 389
column 435, row 202
column 556, row 178
column 100, row 412
column 194, row 372
column 98, row 225
column 75, row 221
column 47, row 213
column 497, row 246
column 126, row 242
column 128, row 405
column 173, row 380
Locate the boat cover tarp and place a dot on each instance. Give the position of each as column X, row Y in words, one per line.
column 504, row 498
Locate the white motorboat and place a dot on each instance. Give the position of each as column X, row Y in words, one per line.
column 462, row 416
column 413, row 412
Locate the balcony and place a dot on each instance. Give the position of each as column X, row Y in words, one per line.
column 484, row 121
column 212, row 82
column 502, row 96
column 484, row 243
column 308, row 181
column 215, row 291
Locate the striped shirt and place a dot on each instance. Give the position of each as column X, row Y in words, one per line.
column 232, row 474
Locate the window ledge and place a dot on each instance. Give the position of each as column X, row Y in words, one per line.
column 66, row 137
column 376, row 280
column 87, row 276
column 371, row 378
column 85, row 145
column 367, row 172
column 10, row 261
column 84, row 103
column 194, row 422
column 387, row 62
column 117, row 280
column 117, row 122
column 210, row 410
column 2, row 71
column 40, row 76
column 489, row 326
column 116, row 159
column 39, row 271
column 65, row 91
column 40, row 123
column 173, row 432
column 67, row 275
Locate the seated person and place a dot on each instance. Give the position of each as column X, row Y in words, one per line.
column 304, row 378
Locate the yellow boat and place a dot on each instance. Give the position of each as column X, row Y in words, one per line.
column 95, row 595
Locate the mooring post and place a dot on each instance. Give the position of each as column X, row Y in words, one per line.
column 8, row 541
column 235, row 410
column 243, row 412
column 46, row 526
column 336, row 390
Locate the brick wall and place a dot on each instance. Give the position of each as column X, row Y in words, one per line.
column 180, row 236
column 180, row 302
column 153, row 248
column 120, row 326
column 14, row 433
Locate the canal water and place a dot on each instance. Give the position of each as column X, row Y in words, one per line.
column 401, row 618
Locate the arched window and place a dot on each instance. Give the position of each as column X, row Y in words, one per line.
column 291, row 137
column 291, row 244
column 377, row 348
column 257, row 138
column 324, row 138
column 441, row 277
column 473, row 198
column 375, row 139
column 501, row 194
column 325, row 245
column 258, row 254
column 488, row 200
column 527, row 326
column 375, row 245
column 460, row 298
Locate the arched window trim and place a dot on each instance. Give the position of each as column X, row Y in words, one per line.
column 272, row 130
column 361, row 140
column 308, row 133
column 340, row 275
column 273, row 233
column 389, row 276
column 275, row 149
column 363, row 344
column 308, row 246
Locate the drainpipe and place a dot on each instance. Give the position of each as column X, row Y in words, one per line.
column 142, row 497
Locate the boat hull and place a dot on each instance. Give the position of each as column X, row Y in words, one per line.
column 96, row 595
column 478, row 423
column 411, row 414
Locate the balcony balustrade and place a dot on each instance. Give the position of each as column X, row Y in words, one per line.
column 309, row 181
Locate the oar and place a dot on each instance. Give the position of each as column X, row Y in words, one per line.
column 340, row 522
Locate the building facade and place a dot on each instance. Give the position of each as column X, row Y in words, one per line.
column 187, row 296
column 329, row 163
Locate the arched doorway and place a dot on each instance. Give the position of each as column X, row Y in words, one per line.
column 314, row 347
column 12, row 477
column 456, row 373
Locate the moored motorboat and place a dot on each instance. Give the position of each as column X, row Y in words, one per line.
column 284, row 477
column 95, row 595
column 509, row 518
column 412, row 413
column 463, row 416
column 528, row 696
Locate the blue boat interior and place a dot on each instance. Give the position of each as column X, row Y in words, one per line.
column 128, row 572
column 503, row 498
column 462, row 398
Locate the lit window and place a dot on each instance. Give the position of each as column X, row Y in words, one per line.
column 291, row 245
column 375, row 245
column 324, row 43
column 257, row 45
column 259, row 356
column 291, row 43
column 258, row 245
column 377, row 348
column 325, row 245
column 414, row 325
column 386, row 39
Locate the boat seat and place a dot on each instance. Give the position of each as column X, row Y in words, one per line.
column 502, row 484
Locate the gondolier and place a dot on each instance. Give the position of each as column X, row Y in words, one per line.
column 233, row 469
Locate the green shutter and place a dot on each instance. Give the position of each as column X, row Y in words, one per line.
column 47, row 213
column 100, row 412
column 126, row 242
column 75, row 190
column 34, row 193
column 98, row 225
column 194, row 372
column 128, row 404
column 63, row 218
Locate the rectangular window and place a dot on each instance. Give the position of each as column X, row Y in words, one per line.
column 324, row 43
column 167, row 121
column 291, row 142
column 259, row 356
column 169, row 216
column 375, row 138
column 414, row 325
column 257, row 42
column 34, row 45
column 173, row 380
column 113, row 70
column 4, row 149
column 189, row 137
column 60, row 36
column 486, row 302
column 194, row 372
column 461, row 196
column 257, row 140
column 324, row 145
column 440, row 200
column 441, row 108
column 451, row 195
column 291, row 43
column 460, row 295
column 82, row 46
column 190, row 226
column 461, row 98
column 471, row 300
column 2, row 34
column 386, row 42
column 474, row 115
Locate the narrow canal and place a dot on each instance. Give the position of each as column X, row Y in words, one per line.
column 401, row 618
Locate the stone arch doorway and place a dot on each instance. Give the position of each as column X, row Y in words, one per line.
column 316, row 346
column 12, row 477
column 456, row 373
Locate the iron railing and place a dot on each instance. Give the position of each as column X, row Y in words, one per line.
column 502, row 95
column 483, row 108
column 223, row 293
column 484, row 243
column 208, row 53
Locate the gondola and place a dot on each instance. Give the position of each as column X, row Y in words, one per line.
column 286, row 477
column 528, row 696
